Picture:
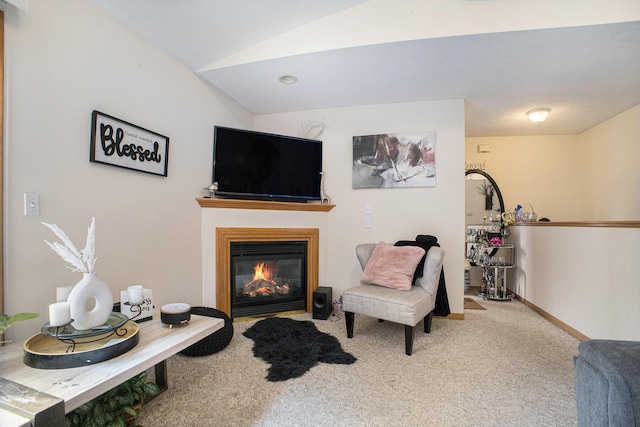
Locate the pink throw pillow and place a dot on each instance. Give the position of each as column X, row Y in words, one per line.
column 392, row 266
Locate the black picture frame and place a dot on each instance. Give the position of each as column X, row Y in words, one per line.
column 119, row 143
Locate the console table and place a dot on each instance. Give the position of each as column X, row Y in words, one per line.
column 74, row 386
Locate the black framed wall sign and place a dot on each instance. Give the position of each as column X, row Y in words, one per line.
column 119, row 143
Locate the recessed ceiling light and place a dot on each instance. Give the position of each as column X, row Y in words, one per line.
column 538, row 115
column 287, row 79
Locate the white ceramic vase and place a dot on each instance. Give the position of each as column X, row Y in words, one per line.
column 81, row 296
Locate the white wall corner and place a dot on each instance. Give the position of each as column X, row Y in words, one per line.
column 20, row 4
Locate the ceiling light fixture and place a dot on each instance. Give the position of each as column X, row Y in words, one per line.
column 287, row 79
column 538, row 115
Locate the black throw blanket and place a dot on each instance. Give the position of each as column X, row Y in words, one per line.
column 426, row 242
column 293, row 347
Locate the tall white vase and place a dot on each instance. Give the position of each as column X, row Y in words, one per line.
column 88, row 289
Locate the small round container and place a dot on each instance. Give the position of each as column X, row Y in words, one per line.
column 176, row 313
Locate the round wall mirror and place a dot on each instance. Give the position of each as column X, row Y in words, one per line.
column 482, row 195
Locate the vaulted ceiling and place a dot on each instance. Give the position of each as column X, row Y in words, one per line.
column 349, row 52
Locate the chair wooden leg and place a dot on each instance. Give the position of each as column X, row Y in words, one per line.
column 349, row 317
column 427, row 322
column 408, row 339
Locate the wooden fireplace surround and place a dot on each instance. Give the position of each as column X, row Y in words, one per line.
column 224, row 238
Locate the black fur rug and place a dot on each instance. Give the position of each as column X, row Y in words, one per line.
column 293, row 347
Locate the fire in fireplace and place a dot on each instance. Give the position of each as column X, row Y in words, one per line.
column 267, row 277
column 264, row 282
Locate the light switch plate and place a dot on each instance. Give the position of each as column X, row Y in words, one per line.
column 31, row 204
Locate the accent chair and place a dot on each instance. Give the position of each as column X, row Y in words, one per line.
column 379, row 297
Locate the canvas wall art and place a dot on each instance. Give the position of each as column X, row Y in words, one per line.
column 393, row 160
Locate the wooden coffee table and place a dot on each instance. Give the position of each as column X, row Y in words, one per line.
column 74, row 386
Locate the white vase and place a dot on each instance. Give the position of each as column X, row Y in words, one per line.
column 90, row 292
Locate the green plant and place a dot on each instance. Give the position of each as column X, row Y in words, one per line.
column 115, row 408
column 6, row 321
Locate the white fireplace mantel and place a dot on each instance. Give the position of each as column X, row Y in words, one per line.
column 251, row 214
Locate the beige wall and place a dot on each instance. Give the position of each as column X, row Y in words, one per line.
column 63, row 60
column 540, row 170
column 610, row 168
column 66, row 59
column 397, row 214
column 586, row 277
column 594, row 176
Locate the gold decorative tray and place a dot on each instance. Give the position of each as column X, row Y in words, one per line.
column 48, row 352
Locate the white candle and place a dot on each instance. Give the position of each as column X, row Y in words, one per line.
column 135, row 294
column 63, row 293
column 59, row 314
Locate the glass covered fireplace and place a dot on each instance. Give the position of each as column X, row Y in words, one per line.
column 268, row 277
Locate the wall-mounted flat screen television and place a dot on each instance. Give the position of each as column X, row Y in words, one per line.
column 262, row 166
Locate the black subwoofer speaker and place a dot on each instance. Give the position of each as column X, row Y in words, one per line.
column 322, row 303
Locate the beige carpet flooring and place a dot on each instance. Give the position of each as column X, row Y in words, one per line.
column 503, row 366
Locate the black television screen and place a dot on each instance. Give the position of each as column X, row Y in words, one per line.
column 263, row 166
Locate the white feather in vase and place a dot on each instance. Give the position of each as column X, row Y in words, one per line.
column 83, row 260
